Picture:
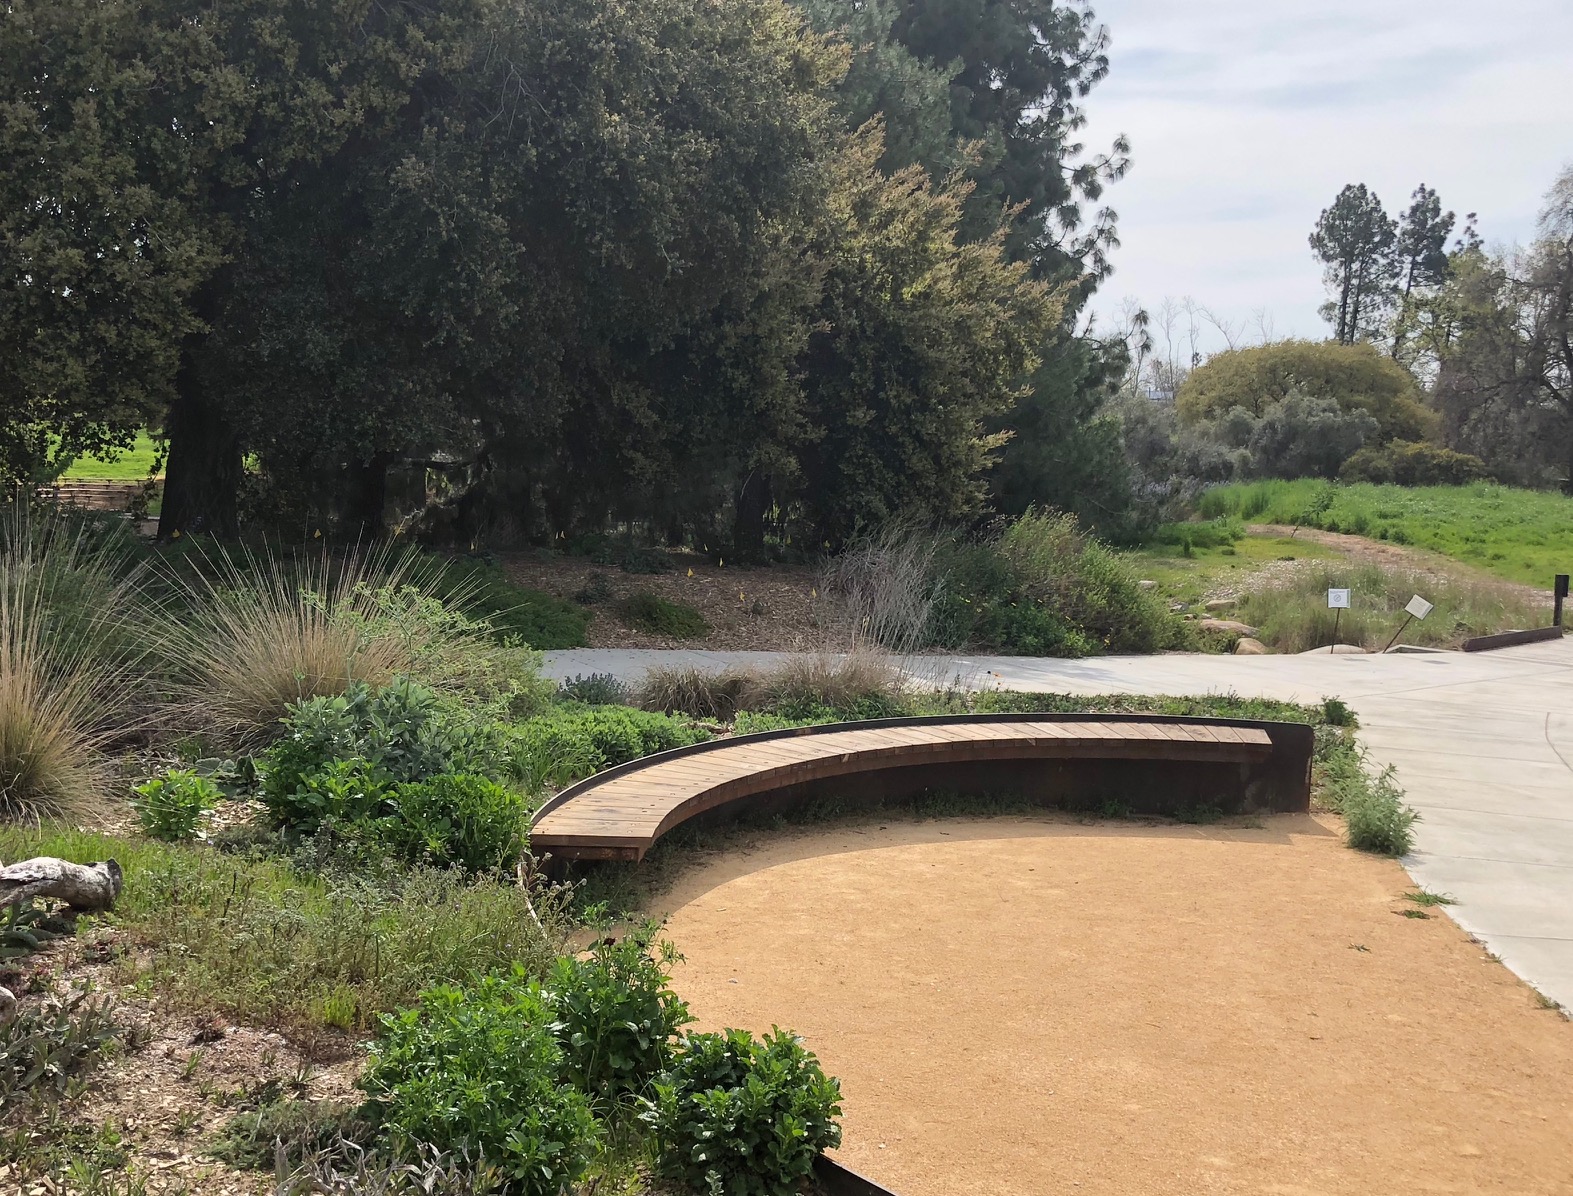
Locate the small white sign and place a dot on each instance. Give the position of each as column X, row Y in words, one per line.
column 1337, row 599
column 1419, row 607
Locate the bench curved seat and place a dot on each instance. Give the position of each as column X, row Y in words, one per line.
column 622, row 812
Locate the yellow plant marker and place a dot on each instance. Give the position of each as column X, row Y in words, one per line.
column 690, row 571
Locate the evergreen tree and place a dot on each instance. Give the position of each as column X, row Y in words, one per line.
column 1354, row 240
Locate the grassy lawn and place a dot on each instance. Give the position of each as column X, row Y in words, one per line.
column 130, row 466
column 1189, row 579
column 1520, row 535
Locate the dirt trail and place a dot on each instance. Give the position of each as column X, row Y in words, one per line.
column 1395, row 556
column 1022, row 1006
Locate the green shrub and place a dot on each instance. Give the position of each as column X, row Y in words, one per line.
column 339, row 795
column 67, row 650
column 455, row 821
column 1213, row 533
column 567, row 744
column 598, row 689
column 170, row 807
column 483, row 591
column 401, row 732
column 1413, row 463
column 658, row 616
column 743, row 1116
column 615, row 1015
column 1043, row 588
column 478, row 1070
column 1376, row 818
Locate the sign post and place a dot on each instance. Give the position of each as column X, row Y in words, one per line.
column 1559, row 593
column 1418, row 608
column 1338, row 603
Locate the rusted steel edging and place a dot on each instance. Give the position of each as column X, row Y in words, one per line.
column 1510, row 639
column 842, row 1181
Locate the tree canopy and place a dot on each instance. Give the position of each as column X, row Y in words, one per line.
column 1356, row 377
column 710, row 266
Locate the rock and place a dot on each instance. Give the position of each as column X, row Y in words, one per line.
column 1223, row 604
column 1147, row 585
column 1338, row 650
column 1249, row 647
column 1228, row 625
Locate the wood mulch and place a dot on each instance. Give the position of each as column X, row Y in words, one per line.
column 771, row 608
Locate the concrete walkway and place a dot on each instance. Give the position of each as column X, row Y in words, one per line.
column 1482, row 743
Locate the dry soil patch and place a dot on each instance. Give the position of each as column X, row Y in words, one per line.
column 766, row 609
column 1022, row 1006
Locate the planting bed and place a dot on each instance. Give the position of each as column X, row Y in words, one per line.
column 1044, row 1005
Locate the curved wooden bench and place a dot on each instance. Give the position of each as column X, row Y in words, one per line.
column 620, row 813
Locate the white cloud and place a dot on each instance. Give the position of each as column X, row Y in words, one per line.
column 1247, row 118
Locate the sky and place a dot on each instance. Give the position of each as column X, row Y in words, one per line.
column 1247, row 117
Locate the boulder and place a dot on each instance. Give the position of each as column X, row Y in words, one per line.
column 1223, row 604
column 1229, row 625
column 1338, row 650
column 1249, row 647
column 1147, row 585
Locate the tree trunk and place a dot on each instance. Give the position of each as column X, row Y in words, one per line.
column 202, row 476
column 366, row 505
column 748, row 523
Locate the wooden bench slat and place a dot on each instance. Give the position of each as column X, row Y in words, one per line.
column 621, row 815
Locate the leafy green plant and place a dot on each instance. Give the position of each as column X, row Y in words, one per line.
column 172, row 806
column 615, row 1014
column 339, row 793
column 401, row 731
column 455, row 821
column 478, row 1069
column 1375, row 816
column 659, row 616
column 567, row 744
column 743, row 1116
column 27, row 928
column 49, row 1044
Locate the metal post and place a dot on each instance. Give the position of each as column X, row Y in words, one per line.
column 1559, row 593
column 1338, row 613
column 1399, row 632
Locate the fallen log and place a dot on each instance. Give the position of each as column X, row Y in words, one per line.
column 83, row 887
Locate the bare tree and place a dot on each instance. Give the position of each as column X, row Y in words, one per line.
column 1233, row 333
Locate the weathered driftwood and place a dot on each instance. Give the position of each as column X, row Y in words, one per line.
column 83, row 887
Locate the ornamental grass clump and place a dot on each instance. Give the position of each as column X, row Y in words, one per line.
column 263, row 633
column 66, row 660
